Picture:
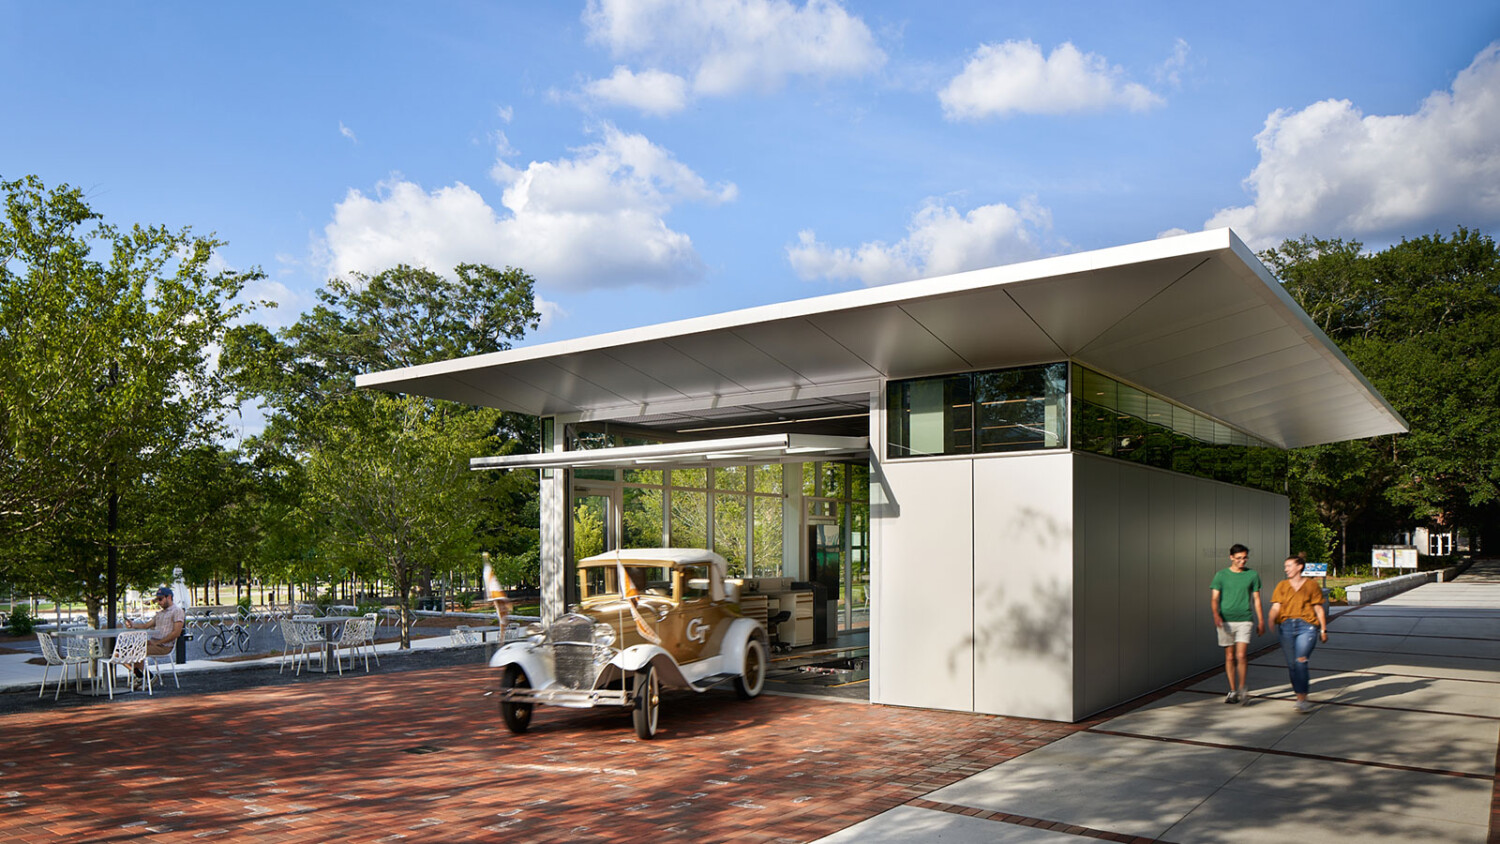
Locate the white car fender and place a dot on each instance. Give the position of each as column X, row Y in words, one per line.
column 636, row 657
column 736, row 640
column 538, row 670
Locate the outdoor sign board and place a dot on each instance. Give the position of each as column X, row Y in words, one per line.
column 1394, row 557
column 1315, row 570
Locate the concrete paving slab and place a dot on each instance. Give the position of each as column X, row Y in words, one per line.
column 1349, row 788
column 1441, row 646
column 1122, row 803
column 1194, row 717
column 1247, row 818
column 1266, row 679
column 1431, row 694
column 1398, row 625
column 1393, row 737
column 1470, row 628
column 1340, row 640
column 1419, row 665
column 905, row 824
column 1086, row 757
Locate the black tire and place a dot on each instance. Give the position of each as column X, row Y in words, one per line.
column 242, row 640
column 214, row 645
column 517, row 715
column 753, row 673
column 647, row 703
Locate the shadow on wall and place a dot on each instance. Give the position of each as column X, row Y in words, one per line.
column 1013, row 622
column 883, row 503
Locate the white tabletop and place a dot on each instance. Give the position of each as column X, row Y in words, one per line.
column 104, row 633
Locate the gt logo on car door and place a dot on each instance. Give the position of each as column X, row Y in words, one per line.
column 697, row 631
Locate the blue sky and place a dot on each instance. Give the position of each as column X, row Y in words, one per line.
column 650, row 161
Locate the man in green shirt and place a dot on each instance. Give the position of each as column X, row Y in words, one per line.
column 1233, row 595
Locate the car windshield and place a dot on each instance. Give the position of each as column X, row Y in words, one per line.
column 597, row 581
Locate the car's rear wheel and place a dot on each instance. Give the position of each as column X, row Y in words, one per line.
column 647, row 702
column 517, row 715
column 753, row 673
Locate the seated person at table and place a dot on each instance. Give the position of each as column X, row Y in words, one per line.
column 166, row 626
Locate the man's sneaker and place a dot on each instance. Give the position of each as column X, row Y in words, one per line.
column 1304, row 706
column 1244, row 699
column 1232, row 697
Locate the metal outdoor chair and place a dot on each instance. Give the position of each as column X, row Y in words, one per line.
column 356, row 635
column 308, row 635
column 464, row 635
column 130, row 648
column 153, row 663
column 374, row 634
column 65, row 660
column 288, row 641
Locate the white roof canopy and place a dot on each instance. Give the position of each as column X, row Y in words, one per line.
column 1195, row 318
column 770, row 448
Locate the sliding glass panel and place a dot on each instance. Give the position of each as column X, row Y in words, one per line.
column 689, row 525
column 642, row 517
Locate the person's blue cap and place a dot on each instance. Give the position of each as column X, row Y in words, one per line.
column 164, row 592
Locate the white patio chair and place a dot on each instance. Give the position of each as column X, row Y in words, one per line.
column 464, row 635
column 130, row 648
column 357, row 634
column 308, row 635
column 65, row 660
column 374, row 621
column 153, row 663
column 288, row 642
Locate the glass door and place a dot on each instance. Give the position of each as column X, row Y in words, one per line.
column 595, row 525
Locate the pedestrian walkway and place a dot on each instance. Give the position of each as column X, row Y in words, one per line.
column 1401, row 747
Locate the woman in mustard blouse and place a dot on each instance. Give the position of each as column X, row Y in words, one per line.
column 1296, row 612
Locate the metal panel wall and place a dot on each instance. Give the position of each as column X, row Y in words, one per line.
column 1152, row 541
column 922, row 621
column 1023, row 586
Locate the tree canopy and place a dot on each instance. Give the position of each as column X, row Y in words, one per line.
column 1421, row 319
column 106, row 377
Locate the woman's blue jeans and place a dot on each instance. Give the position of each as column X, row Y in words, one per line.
column 1298, row 638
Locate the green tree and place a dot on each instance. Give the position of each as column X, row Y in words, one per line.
column 395, row 487
column 305, row 376
column 1421, row 319
column 105, row 377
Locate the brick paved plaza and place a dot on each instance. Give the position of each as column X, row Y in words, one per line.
column 421, row 755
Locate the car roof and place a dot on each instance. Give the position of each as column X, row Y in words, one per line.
column 674, row 557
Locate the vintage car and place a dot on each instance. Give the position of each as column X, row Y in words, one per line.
column 647, row 618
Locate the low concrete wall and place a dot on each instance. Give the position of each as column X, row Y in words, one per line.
column 1377, row 590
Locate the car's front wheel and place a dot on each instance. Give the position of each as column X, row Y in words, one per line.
column 753, row 673
column 647, row 702
column 517, row 715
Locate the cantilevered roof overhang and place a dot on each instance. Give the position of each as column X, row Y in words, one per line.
column 1195, row 318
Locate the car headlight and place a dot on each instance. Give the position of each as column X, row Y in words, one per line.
column 604, row 635
column 534, row 633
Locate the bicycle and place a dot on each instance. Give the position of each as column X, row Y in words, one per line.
column 226, row 635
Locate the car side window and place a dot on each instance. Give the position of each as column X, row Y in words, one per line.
column 694, row 582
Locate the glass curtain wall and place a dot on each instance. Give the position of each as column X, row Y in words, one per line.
column 1018, row 409
column 836, row 500
column 1117, row 420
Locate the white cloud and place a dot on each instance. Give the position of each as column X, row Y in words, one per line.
column 650, row 91
column 1169, row 72
column 939, row 240
column 1014, row 77
column 1331, row 171
column 596, row 219
column 505, row 113
column 726, row 48
column 347, row 132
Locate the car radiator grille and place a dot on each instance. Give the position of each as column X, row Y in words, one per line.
column 572, row 637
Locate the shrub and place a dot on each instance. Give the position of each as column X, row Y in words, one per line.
column 1337, row 594
column 21, row 622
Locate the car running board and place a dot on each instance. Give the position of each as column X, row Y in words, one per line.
column 712, row 680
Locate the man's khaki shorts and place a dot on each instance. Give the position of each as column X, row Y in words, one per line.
column 1235, row 631
column 154, row 649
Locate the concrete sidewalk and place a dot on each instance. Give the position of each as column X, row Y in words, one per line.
column 1401, row 747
